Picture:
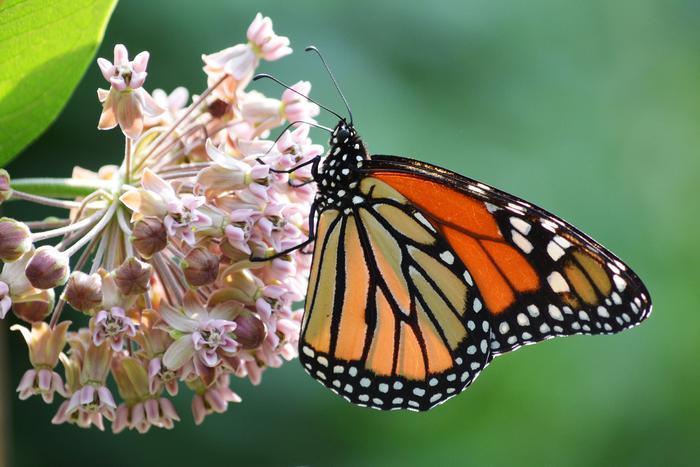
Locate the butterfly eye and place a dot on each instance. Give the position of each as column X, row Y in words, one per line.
column 343, row 134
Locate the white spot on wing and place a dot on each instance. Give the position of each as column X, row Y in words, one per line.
column 521, row 242
column 523, row 320
column 522, row 226
column 619, row 282
column 555, row 313
column 447, row 257
column 554, row 251
column 558, row 283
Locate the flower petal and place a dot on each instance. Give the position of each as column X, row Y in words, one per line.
column 176, row 319
column 179, row 353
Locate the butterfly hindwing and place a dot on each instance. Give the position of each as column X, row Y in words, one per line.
column 539, row 276
column 392, row 320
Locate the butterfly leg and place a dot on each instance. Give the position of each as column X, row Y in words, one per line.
column 297, row 167
column 308, row 241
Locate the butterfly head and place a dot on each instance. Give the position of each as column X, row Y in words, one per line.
column 345, row 141
column 339, row 174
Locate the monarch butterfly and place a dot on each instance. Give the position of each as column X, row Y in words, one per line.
column 421, row 276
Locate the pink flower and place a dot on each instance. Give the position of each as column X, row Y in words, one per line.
column 184, row 218
column 161, row 377
column 239, row 231
column 124, row 74
column 126, row 102
column 113, row 325
column 86, row 407
column 45, row 345
column 158, row 412
column 205, row 335
column 295, row 107
column 241, row 60
column 267, row 44
column 229, row 173
column 172, row 103
column 214, row 399
column 40, row 381
column 158, row 198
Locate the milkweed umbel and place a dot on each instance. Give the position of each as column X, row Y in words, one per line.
column 420, row 277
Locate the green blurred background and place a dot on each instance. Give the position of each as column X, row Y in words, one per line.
column 590, row 109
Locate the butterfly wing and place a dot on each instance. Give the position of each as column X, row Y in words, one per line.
column 390, row 322
column 539, row 276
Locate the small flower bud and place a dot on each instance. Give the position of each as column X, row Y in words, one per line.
column 96, row 365
column 250, row 331
column 5, row 190
column 48, row 268
column 84, row 291
column 15, row 238
column 219, row 108
column 35, row 308
column 149, row 236
column 201, row 267
column 133, row 276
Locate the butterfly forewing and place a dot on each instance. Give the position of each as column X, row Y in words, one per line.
column 392, row 317
column 539, row 277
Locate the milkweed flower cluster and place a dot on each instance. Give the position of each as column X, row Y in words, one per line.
column 174, row 256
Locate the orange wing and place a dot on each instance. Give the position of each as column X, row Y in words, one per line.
column 539, row 276
column 386, row 324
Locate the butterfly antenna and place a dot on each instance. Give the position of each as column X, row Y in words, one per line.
column 298, row 122
column 265, row 75
column 312, row 48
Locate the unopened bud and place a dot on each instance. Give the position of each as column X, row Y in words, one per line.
column 133, row 276
column 149, row 236
column 84, row 291
column 219, row 108
column 15, row 239
column 250, row 331
column 201, row 267
column 48, row 268
column 5, row 190
column 35, row 308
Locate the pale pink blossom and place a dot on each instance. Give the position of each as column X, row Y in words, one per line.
column 295, row 107
column 241, row 60
column 126, row 103
column 201, row 198
column 239, row 231
column 45, row 345
column 204, row 334
column 40, row 381
column 180, row 213
column 172, row 103
column 113, row 325
column 158, row 412
column 229, row 173
column 160, row 377
column 214, row 399
column 262, row 112
column 86, row 407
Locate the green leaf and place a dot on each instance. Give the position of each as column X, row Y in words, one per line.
column 45, row 48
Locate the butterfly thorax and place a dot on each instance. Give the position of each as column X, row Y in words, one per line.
column 339, row 174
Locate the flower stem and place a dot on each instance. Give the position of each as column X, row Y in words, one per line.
column 95, row 230
column 47, row 224
column 46, row 201
column 37, row 237
column 184, row 116
column 59, row 187
column 127, row 159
